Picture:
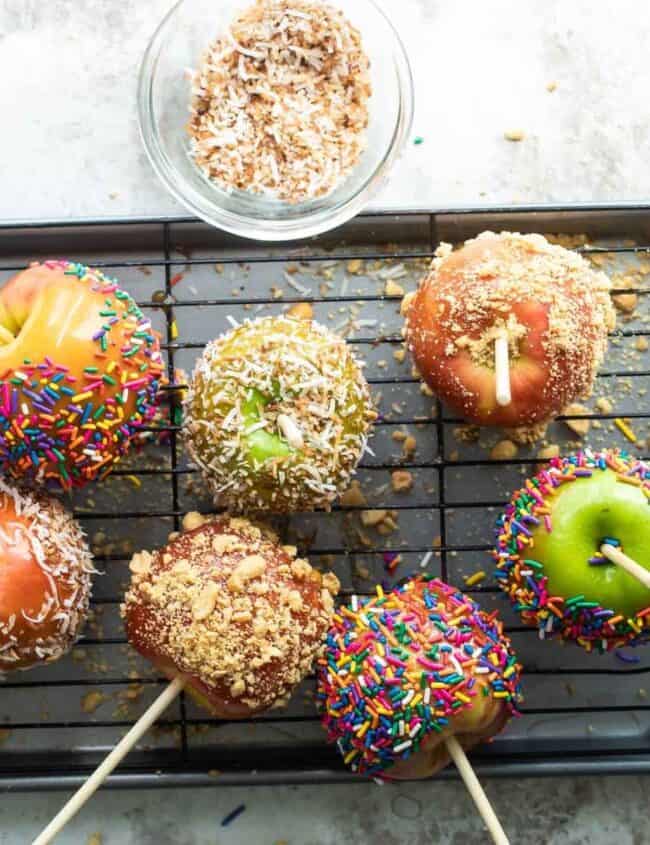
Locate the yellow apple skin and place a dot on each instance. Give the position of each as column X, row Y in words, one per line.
column 79, row 373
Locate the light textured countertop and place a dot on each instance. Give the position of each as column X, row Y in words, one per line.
column 70, row 146
column 70, row 149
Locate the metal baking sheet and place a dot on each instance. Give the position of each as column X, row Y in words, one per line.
column 583, row 713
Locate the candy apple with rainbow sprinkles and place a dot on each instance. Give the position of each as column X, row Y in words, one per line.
column 406, row 672
column 80, row 367
column 573, row 550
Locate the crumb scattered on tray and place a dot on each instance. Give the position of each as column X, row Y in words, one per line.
column 401, row 480
column 514, row 135
column 301, row 311
column 92, row 700
column 548, row 452
column 504, row 450
column 353, row 496
column 604, row 405
column 579, row 427
column 391, row 288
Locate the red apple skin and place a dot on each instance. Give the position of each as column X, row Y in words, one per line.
column 545, row 376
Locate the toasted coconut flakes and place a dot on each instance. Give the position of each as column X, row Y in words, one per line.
column 279, row 102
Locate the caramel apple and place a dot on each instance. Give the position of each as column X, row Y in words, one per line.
column 547, row 306
column 238, row 617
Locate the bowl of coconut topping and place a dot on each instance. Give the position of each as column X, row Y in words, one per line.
column 275, row 119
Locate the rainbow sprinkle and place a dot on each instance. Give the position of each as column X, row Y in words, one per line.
column 573, row 618
column 65, row 430
column 400, row 665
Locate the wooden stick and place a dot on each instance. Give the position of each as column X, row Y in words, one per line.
column 114, row 758
column 502, row 369
column 630, row 566
column 457, row 754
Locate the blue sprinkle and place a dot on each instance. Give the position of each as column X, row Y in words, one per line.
column 233, row 815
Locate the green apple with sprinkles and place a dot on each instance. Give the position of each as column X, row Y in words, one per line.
column 277, row 416
column 573, row 550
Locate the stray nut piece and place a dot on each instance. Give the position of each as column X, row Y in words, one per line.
column 193, row 520
column 504, row 450
column 401, row 480
column 393, row 289
column 579, row 427
column 548, row 452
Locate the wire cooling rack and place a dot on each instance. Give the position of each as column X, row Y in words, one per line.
column 583, row 713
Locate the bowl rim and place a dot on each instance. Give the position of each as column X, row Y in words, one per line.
column 266, row 228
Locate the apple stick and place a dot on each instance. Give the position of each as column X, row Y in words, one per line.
column 630, row 566
column 502, row 369
column 111, row 762
column 457, row 754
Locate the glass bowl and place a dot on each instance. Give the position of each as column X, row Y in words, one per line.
column 163, row 112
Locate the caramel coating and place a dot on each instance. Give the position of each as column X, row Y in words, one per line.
column 45, row 579
column 224, row 605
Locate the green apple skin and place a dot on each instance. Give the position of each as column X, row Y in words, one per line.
column 262, row 446
column 583, row 513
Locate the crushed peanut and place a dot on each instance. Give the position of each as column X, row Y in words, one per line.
column 253, row 644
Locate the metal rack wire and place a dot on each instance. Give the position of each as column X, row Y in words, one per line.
column 583, row 713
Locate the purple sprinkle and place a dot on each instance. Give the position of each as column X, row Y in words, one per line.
column 597, row 560
column 521, row 528
column 627, row 658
